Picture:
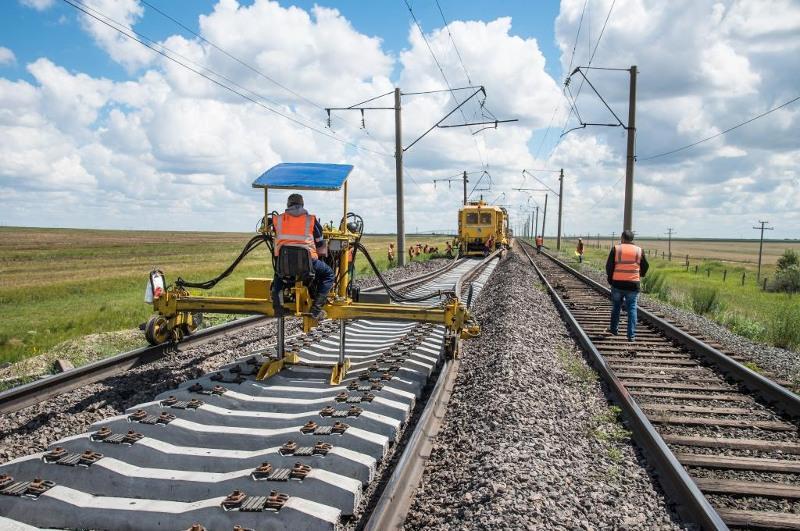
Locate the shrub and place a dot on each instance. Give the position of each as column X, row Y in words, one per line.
column 743, row 326
column 787, row 279
column 705, row 300
column 789, row 258
column 655, row 283
column 784, row 329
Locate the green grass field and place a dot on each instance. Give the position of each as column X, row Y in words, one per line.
column 62, row 284
column 745, row 309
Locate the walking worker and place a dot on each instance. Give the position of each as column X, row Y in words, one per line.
column 625, row 266
column 390, row 254
column 449, row 251
column 579, row 250
column 539, row 243
column 297, row 227
column 488, row 247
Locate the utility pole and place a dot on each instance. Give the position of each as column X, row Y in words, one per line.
column 612, row 239
column 398, row 175
column 560, row 197
column 465, row 186
column 669, row 244
column 627, row 222
column 544, row 215
column 762, row 228
column 536, row 231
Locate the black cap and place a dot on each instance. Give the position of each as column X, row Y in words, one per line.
column 294, row 199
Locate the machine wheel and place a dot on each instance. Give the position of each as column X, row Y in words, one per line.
column 197, row 320
column 156, row 331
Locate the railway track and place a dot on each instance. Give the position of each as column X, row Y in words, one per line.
column 224, row 450
column 723, row 439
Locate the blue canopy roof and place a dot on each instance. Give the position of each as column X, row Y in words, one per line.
column 304, row 176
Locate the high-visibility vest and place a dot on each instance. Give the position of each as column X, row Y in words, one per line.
column 295, row 230
column 539, row 240
column 627, row 258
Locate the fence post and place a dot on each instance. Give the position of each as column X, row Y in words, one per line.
column 708, row 272
column 742, row 278
column 724, row 275
column 765, row 284
column 695, row 269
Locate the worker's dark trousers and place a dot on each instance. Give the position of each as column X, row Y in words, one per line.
column 323, row 274
column 618, row 296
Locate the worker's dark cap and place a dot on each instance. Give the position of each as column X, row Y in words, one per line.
column 627, row 235
column 294, row 199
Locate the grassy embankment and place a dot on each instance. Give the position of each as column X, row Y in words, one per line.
column 62, row 285
column 772, row 318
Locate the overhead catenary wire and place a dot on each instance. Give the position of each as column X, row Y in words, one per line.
column 252, row 68
column 132, row 35
column 589, row 64
column 444, row 77
column 728, row 130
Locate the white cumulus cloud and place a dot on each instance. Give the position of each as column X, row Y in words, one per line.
column 6, row 56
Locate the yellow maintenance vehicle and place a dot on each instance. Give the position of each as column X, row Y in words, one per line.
column 480, row 223
column 178, row 310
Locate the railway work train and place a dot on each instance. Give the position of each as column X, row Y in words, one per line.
column 478, row 223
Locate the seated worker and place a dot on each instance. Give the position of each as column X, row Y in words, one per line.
column 297, row 227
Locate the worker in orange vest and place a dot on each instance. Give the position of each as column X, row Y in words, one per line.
column 625, row 266
column 579, row 250
column 390, row 254
column 539, row 243
column 297, row 227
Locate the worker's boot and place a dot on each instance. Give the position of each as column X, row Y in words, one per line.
column 317, row 313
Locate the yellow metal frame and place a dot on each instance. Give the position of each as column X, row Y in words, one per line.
column 176, row 305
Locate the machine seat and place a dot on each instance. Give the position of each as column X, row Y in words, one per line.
column 294, row 261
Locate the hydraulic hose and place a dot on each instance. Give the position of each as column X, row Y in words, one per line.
column 254, row 242
column 393, row 295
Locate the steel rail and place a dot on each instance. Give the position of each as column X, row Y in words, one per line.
column 25, row 395
column 673, row 478
column 398, row 494
column 771, row 392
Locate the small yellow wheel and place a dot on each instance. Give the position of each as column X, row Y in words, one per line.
column 156, row 331
column 195, row 320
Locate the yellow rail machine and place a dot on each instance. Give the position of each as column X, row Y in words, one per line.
column 477, row 222
column 177, row 309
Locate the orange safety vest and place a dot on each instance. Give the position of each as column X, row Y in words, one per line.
column 626, row 262
column 295, row 230
column 539, row 240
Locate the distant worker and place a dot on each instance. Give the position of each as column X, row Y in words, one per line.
column 297, row 227
column 579, row 250
column 625, row 266
column 390, row 254
column 539, row 243
column 449, row 250
column 411, row 253
column 488, row 246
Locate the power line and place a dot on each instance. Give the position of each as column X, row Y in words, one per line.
column 444, row 76
column 447, row 26
column 687, row 146
column 246, row 65
column 580, row 87
column 163, row 52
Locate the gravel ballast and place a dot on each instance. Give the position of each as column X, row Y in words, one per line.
column 529, row 441
column 33, row 428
